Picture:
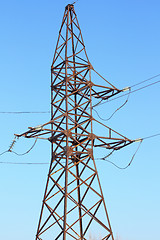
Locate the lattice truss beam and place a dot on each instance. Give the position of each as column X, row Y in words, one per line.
column 73, row 204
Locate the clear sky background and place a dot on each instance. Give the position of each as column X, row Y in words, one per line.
column 122, row 41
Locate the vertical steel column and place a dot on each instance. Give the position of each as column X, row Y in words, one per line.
column 75, row 100
column 66, row 166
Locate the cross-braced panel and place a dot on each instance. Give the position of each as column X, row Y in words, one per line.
column 73, row 204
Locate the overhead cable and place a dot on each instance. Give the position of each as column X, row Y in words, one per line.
column 21, row 154
column 148, row 79
column 99, row 103
column 106, row 119
column 155, row 135
column 108, row 155
column 3, row 153
column 101, row 159
column 23, row 112
column 121, row 168
column 138, row 89
column 23, row 163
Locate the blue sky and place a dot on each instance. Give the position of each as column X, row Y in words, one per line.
column 122, row 41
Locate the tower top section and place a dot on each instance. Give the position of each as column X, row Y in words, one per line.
column 70, row 45
column 71, row 6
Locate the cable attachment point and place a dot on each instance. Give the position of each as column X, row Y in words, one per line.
column 37, row 128
column 138, row 140
column 126, row 89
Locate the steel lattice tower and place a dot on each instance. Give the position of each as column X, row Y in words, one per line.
column 73, row 203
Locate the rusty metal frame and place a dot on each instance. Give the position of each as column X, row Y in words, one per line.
column 73, row 178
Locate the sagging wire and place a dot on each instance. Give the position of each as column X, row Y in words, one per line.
column 101, row 159
column 108, row 155
column 100, row 102
column 12, row 145
column 22, row 154
column 3, row 153
column 95, row 105
column 122, row 168
column 146, row 80
column 138, row 89
column 106, row 119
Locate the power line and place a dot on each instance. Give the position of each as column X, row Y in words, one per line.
column 122, row 168
column 23, row 112
column 106, row 119
column 155, row 135
column 24, row 163
column 148, row 79
column 18, row 154
column 138, row 89
column 21, row 154
column 101, row 159
column 108, row 155
column 3, row 153
column 44, row 112
column 100, row 102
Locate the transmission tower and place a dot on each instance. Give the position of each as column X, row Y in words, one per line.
column 73, row 204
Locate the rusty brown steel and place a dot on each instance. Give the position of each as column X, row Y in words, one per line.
column 73, row 202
